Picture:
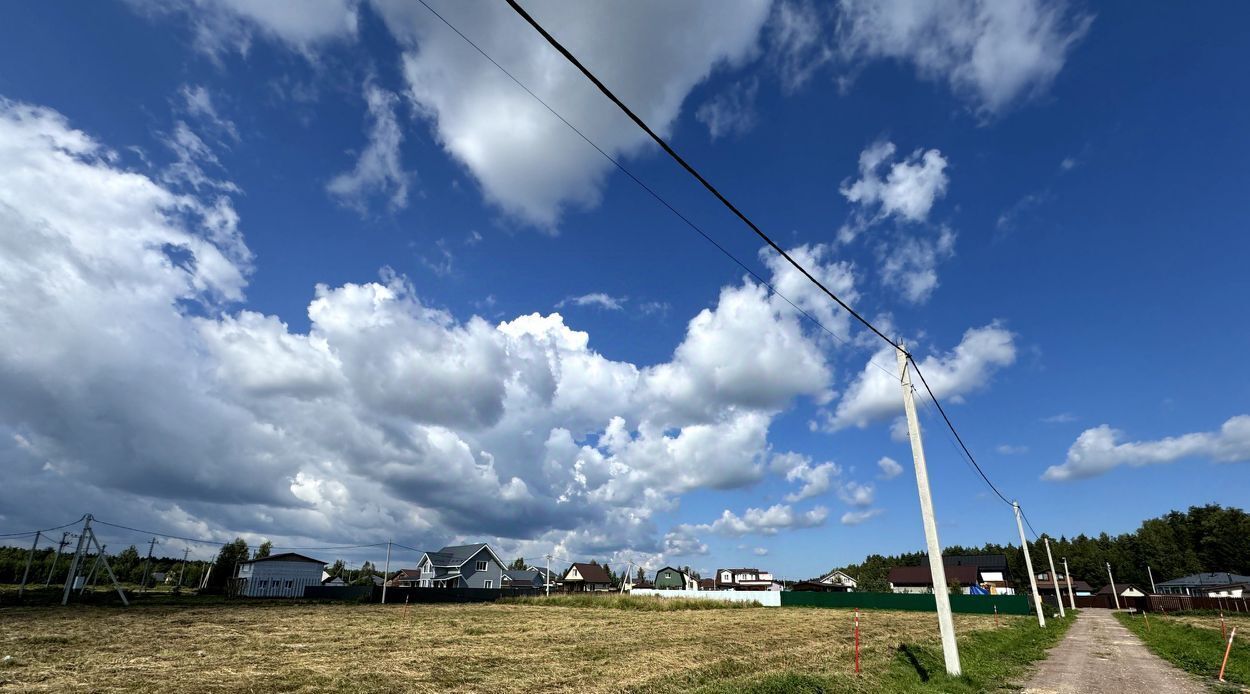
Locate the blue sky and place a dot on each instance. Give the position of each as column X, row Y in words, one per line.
column 324, row 275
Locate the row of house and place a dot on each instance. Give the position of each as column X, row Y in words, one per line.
column 480, row 567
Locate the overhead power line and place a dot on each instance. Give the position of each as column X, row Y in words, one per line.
column 218, row 541
column 42, row 530
column 691, row 170
column 958, row 438
column 668, row 149
column 648, row 189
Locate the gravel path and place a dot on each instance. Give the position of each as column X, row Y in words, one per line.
column 1099, row 656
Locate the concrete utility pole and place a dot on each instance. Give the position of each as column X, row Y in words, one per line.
column 386, row 573
column 29, row 558
column 146, row 563
column 946, row 623
column 1151, row 574
column 100, row 557
column 1054, row 580
column 73, row 565
column 1028, row 566
column 547, row 578
column 57, row 559
column 95, row 565
column 182, row 568
column 1114, row 593
column 1068, row 575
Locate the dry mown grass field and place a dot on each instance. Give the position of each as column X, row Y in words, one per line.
column 440, row 648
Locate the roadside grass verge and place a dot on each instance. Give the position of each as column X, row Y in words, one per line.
column 616, row 601
column 1196, row 648
column 991, row 659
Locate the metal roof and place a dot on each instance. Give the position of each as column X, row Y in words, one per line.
column 285, row 556
column 1222, row 578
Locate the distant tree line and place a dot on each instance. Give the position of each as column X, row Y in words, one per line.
column 1204, row 538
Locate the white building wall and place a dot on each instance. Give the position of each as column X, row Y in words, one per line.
column 279, row 579
column 765, row 598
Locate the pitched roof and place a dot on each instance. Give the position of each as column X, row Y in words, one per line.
column 1220, row 578
column 1077, row 585
column 285, row 556
column 985, row 562
column 921, row 576
column 522, row 576
column 591, row 573
column 1120, row 588
column 453, row 556
column 542, row 571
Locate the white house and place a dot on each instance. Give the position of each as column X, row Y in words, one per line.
column 279, row 576
column 839, row 582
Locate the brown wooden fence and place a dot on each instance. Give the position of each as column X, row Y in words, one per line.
column 1166, row 603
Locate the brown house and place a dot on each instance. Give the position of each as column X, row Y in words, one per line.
column 585, row 578
column 918, row 579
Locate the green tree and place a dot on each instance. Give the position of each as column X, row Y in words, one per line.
column 127, row 565
column 263, row 551
column 228, row 559
column 517, row 564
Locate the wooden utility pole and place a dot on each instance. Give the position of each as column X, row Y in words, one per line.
column 386, row 573
column 1028, row 566
column 1054, row 580
column 946, row 623
column 29, row 558
column 1114, row 594
column 1068, row 575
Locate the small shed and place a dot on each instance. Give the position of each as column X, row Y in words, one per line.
column 670, row 578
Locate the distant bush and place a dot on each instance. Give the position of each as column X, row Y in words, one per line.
column 617, row 601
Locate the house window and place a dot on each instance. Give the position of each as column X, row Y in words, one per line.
column 290, row 583
column 488, row 584
column 481, row 566
column 667, row 575
column 261, row 583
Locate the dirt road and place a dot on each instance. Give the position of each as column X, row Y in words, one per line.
column 1100, row 656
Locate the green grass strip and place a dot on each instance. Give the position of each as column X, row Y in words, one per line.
column 1198, row 650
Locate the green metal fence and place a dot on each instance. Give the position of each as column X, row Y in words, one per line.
column 911, row 602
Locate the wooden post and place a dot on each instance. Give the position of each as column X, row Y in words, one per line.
column 857, row 640
column 1227, row 649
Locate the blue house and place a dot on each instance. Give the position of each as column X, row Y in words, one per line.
column 461, row 566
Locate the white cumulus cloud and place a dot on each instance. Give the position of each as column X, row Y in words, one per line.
column 379, row 169
column 875, row 395
column 1100, row 449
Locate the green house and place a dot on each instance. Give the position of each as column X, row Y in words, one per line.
column 669, row 578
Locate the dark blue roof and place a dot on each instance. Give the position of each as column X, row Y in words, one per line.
column 1221, row 578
